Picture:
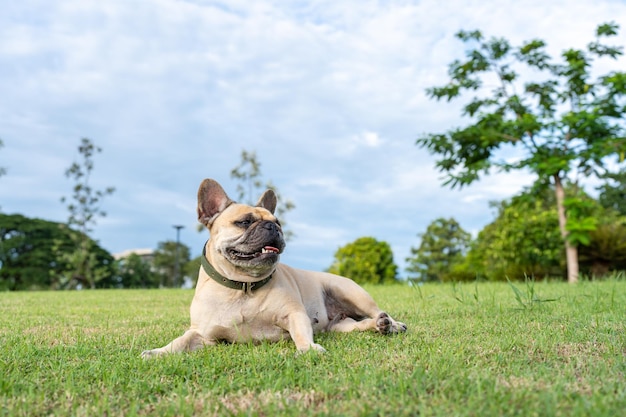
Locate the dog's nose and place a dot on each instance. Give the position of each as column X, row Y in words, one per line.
column 271, row 226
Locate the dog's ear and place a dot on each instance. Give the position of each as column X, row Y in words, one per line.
column 268, row 201
column 212, row 200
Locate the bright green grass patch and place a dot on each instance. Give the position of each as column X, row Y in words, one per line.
column 471, row 350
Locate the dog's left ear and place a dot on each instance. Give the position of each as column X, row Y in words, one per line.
column 268, row 201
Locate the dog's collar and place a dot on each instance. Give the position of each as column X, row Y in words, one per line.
column 235, row 285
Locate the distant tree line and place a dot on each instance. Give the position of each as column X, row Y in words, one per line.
column 524, row 241
column 45, row 255
column 36, row 254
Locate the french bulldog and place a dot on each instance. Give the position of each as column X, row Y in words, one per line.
column 243, row 294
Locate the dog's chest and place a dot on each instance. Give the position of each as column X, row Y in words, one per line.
column 239, row 319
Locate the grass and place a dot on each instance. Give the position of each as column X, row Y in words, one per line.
column 507, row 349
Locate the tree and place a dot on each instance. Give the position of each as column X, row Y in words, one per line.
column 135, row 272
column 83, row 211
column 613, row 192
column 165, row 261
column 191, row 268
column 442, row 246
column 522, row 241
column 248, row 173
column 33, row 253
column 365, row 260
column 607, row 251
column 565, row 123
column 25, row 256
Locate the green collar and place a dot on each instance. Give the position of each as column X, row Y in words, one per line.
column 235, row 285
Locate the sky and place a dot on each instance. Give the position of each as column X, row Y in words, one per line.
column 329, row 94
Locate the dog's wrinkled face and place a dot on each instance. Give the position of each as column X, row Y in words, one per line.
column 245, row 240
column 250, row 238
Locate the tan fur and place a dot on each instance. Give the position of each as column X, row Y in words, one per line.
column 294, row 304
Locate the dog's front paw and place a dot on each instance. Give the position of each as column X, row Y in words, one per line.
column 312, row 346
column 387, row 325
column 149, row 354
column 318, row 348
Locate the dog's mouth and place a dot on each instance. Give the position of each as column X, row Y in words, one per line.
column 264, row 252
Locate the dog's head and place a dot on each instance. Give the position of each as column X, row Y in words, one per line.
column 246, row 241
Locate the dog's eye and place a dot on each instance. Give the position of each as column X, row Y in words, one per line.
column 243, row 223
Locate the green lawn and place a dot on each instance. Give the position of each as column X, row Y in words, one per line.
column 471, row 350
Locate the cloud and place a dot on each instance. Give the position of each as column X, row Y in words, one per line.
column 369, row 139
column 330, row 94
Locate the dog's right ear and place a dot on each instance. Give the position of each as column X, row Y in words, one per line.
column 212, row 200
column 268, row 201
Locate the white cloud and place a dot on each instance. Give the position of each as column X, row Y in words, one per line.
column 330, row 94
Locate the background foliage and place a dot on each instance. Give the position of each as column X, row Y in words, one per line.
column 34, row 253
column 563, row 119
column 442, row 248
column 165, row 261
column 81, row 265
column 366, row 260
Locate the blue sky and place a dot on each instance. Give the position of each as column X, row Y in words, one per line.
column 330, row 95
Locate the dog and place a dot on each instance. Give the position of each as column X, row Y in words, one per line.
column 243, row 294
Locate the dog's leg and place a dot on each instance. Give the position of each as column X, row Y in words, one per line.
column 382, row 323
column 190, row 340
column 345, row 298
column 298, row 324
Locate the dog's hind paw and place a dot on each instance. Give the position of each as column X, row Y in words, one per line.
column 387, row 325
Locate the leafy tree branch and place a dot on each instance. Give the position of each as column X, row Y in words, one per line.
column 84, row 208
column 567, row 124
